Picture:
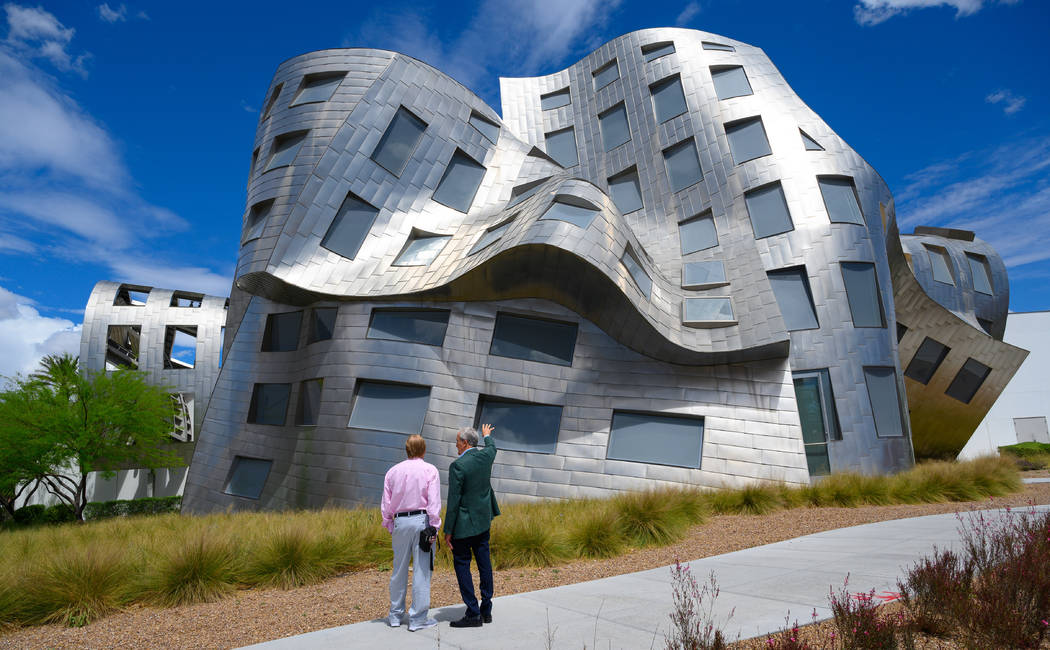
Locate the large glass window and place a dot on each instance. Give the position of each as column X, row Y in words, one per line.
column 885, row 401
column 411, row 325
column 840, row 199
column 318, row 87
column 703, row 311
column 282, row 332
column 309, row 402
column 626, row 191
column 703, row 275
column 791, row 288
column 656, row 438
column 247, row 477
column 730, row 81
column 768, row 210
column 982, row 276
column 269, row 404
column 614, row 127
column 747, row 140
column 257, row 216
column 521, row 426
column 668, row 98
column 697, row 233
column 460, row 182
column 818, row 416
column 180, row 347
column 322, row 324
column 484, row 126
column 941, row 263
column 421, row 249
column 656, row 50
column 533, row 339
column 389, row 407
column 575, row 214
column 399, row 141
column 561, row 146
column 285, row 148
column 350, row 227
column 968, row 380
column 606, row 74
column 491, row 235
column 555, row 99
column 683, row 165
column 638, row 274
column 862, row 291
column 926, row 360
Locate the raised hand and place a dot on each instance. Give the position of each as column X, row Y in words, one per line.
column 486, row 430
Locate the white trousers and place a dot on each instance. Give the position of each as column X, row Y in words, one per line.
column 405, row 540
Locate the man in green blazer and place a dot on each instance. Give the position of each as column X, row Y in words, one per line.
column 471, row 505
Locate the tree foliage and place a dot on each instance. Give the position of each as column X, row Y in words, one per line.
column 58, row 425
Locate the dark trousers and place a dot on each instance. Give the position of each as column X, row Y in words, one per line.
column 461, row 550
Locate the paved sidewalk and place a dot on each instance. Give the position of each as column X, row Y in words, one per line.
column 762, row 584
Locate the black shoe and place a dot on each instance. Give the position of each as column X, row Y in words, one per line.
column 467, row 621
column 486, row 618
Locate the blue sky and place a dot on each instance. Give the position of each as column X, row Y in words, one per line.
column 126, row 127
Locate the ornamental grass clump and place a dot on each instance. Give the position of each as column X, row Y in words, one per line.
column 748, row 500
column 290, row 556
column 531, row 536
column 592, row 534
column 200, row 570
column 76, row 586
column 649, row 518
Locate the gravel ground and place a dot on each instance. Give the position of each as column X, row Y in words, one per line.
column 256, row 615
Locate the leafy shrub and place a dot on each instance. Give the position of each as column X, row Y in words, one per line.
column 33, row 515
column 789, row 637
column 936, row 591
column 859, row 623
column 124, row 508
column 1026, row 449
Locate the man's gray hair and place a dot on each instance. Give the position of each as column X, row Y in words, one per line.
column 469, row 435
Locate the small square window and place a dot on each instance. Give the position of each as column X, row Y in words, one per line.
column 968, row 381
column 399, row 141
column 941, row 263
column 809, row 143
column 615, row 128
column 561, row 146
column 768, row 210
column 491, row 235
column 926, row 360
column 862, row 292
column 703, row 275
column 730, row 81
column 421, row 249
column 247, row 477
column 747, row 140
column 657, row 50
column 638, row 274
column 256, row 221
column 698, row 233
column 484, row 126
column 285, row 149
column 533, row 339
column 180, row 347
column 282, row 332
column 381, row 406
column 318, row 87
column 322, row 324
column 626, row 191
column 840, row 199
column 794, row 297
column 555, row 99
column 309, row 402
column 606, row 74
column 668, row 99
column 982, row 275
column 460, row 182
column 269, row 404
column 702, row 312
column 349, row 227
column 522, row 426
column 567, row 208
column 683, row 165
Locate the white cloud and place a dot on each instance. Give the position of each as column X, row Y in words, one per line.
column 26, row 336
column 148, row 271
column 37, row 33
column 690, row 11
column 14, row 244
column 873, row 12
column 1011, row 102
column 118, row 15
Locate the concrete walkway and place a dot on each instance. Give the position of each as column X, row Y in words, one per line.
column 760, row 585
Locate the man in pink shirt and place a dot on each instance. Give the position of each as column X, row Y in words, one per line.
column 411, row 500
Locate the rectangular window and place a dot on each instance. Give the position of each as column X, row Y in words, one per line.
column 794, row 297
column 575, row 214
column 525, row 190
column 318, row 87
column 322, row 324
column 180, row 347
column 683, row 165
column 122, row 346
column 730, row 81
column 698, row 233
column 421, row 249
column 708, row 45
column 614, row 127
column 768, row 210
column 285, row 148
column 399, row 141
column 840, row 199
column 700, row 312
column 222, row 344
column 606, row 74
column 703, row 275
column 656, row 438
column 256, row 220
column 561, row 146
column 968, row 380
column 626, row 191
column 309, row 402
column 668, row 98
column 399, row 408
column 982, row 276
column 460, row 182
column 533, row 339
column 555, row 99
column 425, row 326
column 269, row 404
column 885, row 401
column 484, row 126
column 271, row 101
column 747, row 140
column 638, row 274
column 901, row 331
column 350, row 227
column 941, row 263
column 656, row 50
column 818, row 417
column 521, row 426
column 926, row 360
column 188, row 300
column 247, row 477
column 130, row 295
column 282, row 332
column 862, row 291
column 491, row 235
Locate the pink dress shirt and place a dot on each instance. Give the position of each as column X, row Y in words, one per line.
column 412, row 484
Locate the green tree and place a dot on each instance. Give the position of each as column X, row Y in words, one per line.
column 67, row 425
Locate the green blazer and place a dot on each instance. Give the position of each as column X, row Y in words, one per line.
column 471, row 504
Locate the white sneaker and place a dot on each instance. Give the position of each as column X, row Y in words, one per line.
column 422, row 626
column 393, row 621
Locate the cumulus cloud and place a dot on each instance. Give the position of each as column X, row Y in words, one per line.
column 1011, row 102
column 110, row 15
column 37, row 33
column 26, row 336
column 873, row 12
column 690, row 11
